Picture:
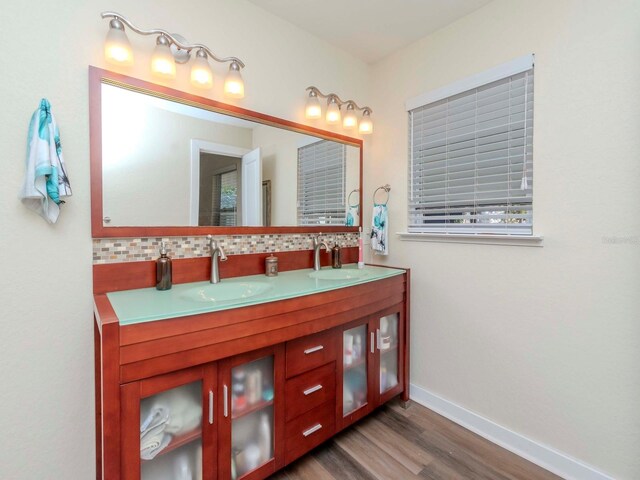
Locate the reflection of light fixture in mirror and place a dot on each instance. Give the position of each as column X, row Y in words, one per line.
column 350, row 120
column 117, row 49
column 233, row 83
column 333, row 112
column 162, row 61
column 366, row 125
column 201, row 74
column 313, row 110
column 171, row 48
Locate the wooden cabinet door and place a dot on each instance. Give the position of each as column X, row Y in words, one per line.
column 389, row 353
column 355, row 372
column 168, row 426
column 251, row 430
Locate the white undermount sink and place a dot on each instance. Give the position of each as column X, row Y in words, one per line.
column 339, row 274
column 225, row 292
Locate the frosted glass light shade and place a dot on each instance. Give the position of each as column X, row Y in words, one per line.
column 162, row 62
column 201, row 74
column 313, row 110
column 333, row 114
column 366, row 125
column 117, row 49
column 233, row 83
column 350, row 120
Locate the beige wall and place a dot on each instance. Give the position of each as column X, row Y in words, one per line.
column 46, row 345
column 543, row 341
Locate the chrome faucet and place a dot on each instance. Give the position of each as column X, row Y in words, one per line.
column 217, row 253
column 316, row 252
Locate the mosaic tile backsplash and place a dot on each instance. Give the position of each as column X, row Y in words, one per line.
column 117, row 250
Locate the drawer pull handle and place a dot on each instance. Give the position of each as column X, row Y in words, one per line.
column 313, row 349
column 210, row 407
column 313, row 429
column 372, row 342
column 309, row 391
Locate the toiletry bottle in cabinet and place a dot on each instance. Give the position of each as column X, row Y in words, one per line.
column 252, row 390
column 356, row 371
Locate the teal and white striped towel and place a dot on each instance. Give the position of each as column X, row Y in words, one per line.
column 46, row 180
column 380, row 230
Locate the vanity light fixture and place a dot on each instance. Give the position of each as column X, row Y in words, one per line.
column 170, row 49
column 333, row 115
column 333, row 112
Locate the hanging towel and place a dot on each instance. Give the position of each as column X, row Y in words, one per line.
column 379, row 230
column 46, row 180
column 353, row 216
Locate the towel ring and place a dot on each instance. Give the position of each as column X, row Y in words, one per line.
column 386, row 188
column 349, row 198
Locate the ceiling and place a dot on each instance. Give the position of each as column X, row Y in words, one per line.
column 370, row 29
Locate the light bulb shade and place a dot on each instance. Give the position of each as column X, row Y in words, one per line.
column 350, row 120
column 117, row 49
column 313, row 110
column 366, row 125
column 233, row 83
column 333, row 113
column 162, row 62
column 201, row 74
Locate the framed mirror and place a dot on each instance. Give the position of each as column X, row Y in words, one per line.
column 169, row 163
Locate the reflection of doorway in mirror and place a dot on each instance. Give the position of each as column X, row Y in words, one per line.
column 226, row 185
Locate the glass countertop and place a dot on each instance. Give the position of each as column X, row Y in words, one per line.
column 148, row 304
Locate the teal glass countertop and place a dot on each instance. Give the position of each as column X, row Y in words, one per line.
column 148, row 304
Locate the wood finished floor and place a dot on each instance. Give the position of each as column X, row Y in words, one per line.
column 416, row 443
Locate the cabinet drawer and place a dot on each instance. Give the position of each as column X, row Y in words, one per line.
column 312, row 351
column 310, row 389
column 309, row 430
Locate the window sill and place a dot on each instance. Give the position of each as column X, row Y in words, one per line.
column 482, row 239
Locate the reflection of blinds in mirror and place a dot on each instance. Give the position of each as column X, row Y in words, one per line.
column 321, row 183
column 224, row 199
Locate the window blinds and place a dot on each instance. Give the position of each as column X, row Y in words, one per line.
column 321, row 183
column 224, row 197
column 471, row 160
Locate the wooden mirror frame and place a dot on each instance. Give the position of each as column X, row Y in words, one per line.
column 98, row 76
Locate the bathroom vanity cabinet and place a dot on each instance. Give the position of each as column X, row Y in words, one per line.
column 251, row 388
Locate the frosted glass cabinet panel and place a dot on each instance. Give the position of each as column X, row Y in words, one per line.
column 171, row 434
column 252, row 415
column 388, row 343
column 354, row 360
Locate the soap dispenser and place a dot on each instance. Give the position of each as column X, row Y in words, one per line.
column 163, row 269
column 336, row 256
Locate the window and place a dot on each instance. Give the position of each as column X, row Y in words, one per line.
column 471, row 155
column 224, row 199
column 321, row 183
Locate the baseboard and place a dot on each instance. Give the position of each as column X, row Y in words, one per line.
column 542, row 455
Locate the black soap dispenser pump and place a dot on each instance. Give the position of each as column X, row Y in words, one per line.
column 163, row 269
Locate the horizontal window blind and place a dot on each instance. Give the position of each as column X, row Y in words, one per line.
column 471, row 160
column 224, row 199
column 321, row 183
